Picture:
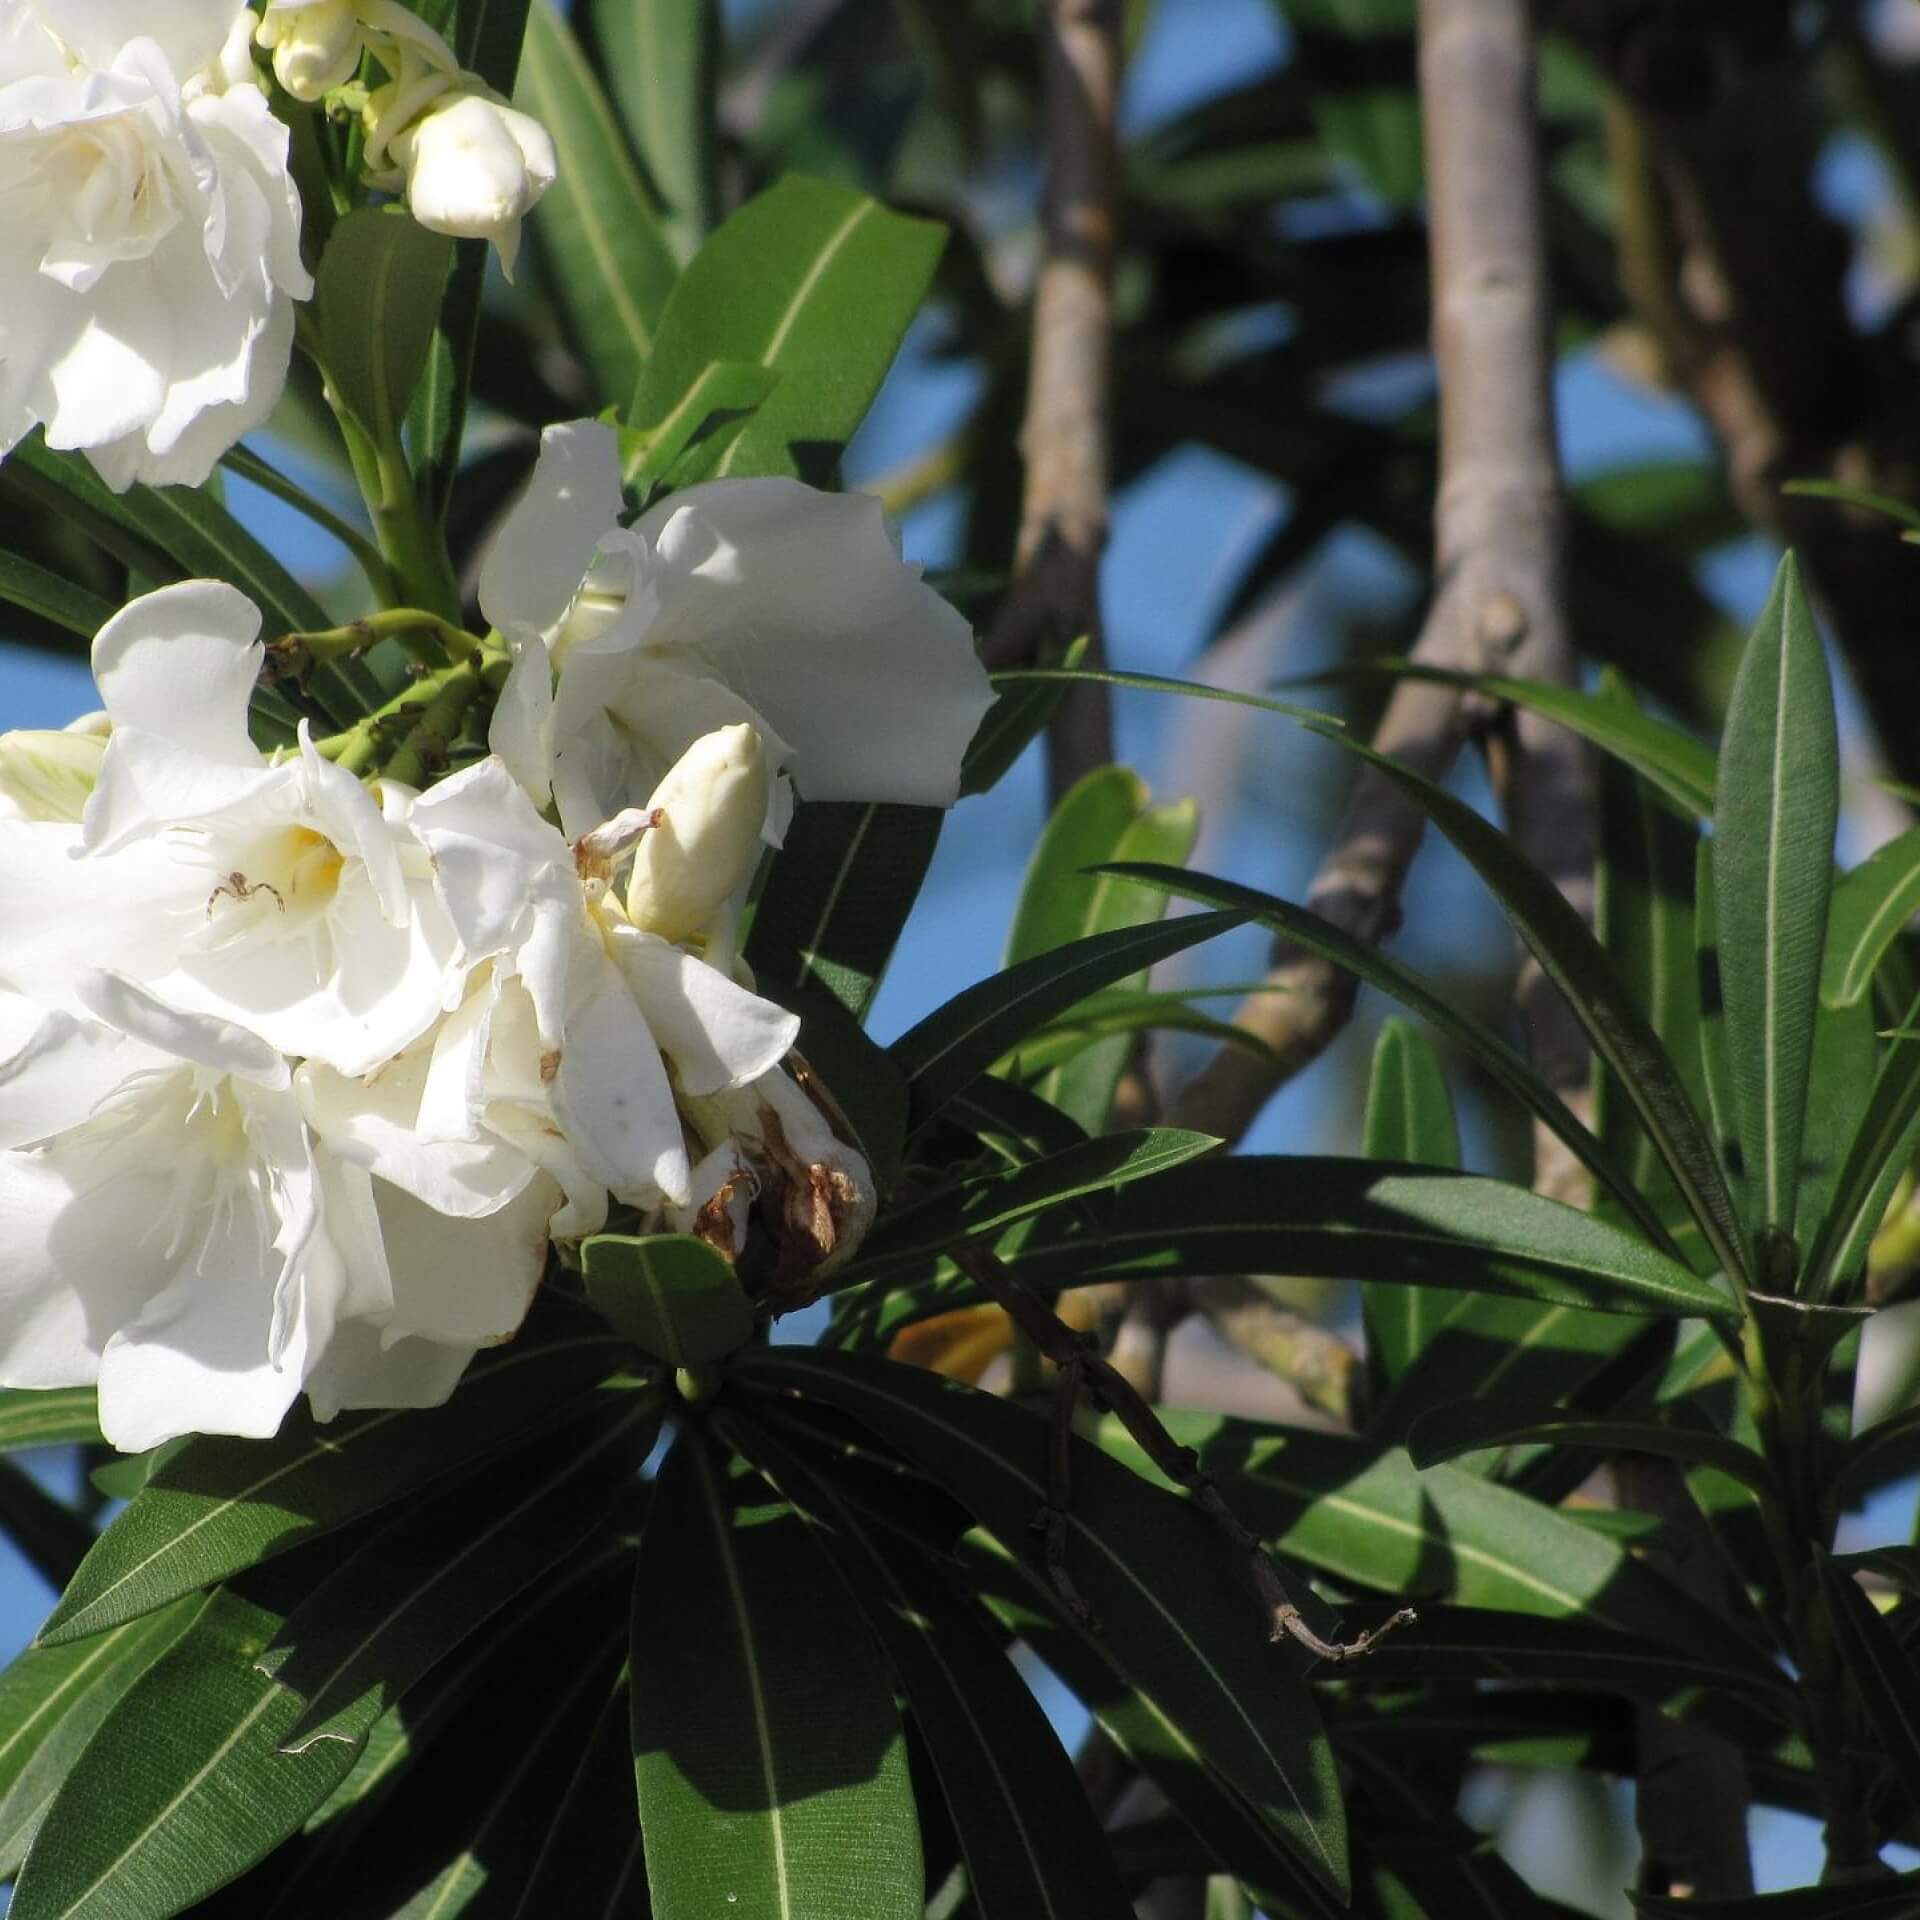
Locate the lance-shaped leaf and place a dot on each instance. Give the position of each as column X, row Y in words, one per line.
column 219, row 1505
column 1363, row 1513
column 1779, row 798
column 1478, row 1041
column 957, row 1043
column 1870, row 906
column 907, row 1241
column 1882, row 1671
column 767, row 1753
column 1339, row 1219
column 51, row 1701
column 840, row 890
column 1032, row 1846
column 1881, row 1150
column 1673, row 760
column 1448, row 1432
column 1409, row 1118
column 376, row 302
column 590, row 1861
column 1239, row 1836
column 49, row 1417
column 439, row 1572
column 1015, row 719
column 25, row 583
column 661, row 58
column 1106, row 817
column 814, row 281
column 1176, row 1611
column 673, row 1296
column 182, row 1787
column 685, row 446
column 1576, row 963
column 613, row 269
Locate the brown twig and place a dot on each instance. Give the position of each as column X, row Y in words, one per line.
column 1063, row 519
column 1078, row 1362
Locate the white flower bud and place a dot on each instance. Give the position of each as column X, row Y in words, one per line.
column 706, row 837
column 48, row 776
column 315, row 44
column 474, row 169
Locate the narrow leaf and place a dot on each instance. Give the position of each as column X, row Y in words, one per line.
column 376, row 302
column 49, row 1417
column 1870, row 907
column 768, row 1756
column 954, row 1045
column 220, row 1505
column 612, row 266
column 1168, row 1591
column 25, row 583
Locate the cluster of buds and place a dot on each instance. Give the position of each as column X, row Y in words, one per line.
column 468, row 164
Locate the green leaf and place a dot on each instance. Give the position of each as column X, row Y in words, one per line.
column 1882, row 1672
column 814, row 281
column 691, row 440
column 1900, row 510
column 976, row 1209
column 1779, row 799
column 436, row 421
column 838, row 894
column 612, row 267
column 1667, row 757
column 661, row 59
column 51, row 1701
column 1409, row 1117
column 433, row 1576
column 49, row 1417
column 1232, row 1829
column 1574, row 961
column 178, row 532
column 768, row 1756
column 1341, row 1219
column 182, row 1787
column 1870, row 907
column 1159, row 683
column 1881, row 1150
column 1169, row 1592
column 673, row 1296
column 220, row 1505
column 1017, row 717
column 1478, row 1041
column 1363, row 1514
column 1032, row 1847
column 1105, row 818
column 24, row 583
column 1447, row 1432
column 375, row 307
column 958, row 1042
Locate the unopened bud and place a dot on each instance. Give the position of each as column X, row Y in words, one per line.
column 315, row 44
column 708, row 813
column 48, row 776
column 474, row 169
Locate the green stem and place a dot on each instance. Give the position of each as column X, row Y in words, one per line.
column 429, row 639
column 424, row 751
column 365, row 746
column 249, row 466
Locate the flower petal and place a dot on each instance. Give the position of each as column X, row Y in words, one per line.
column 800, row 601
column 203, row 1039
column 543, row 549
column 716, row 1034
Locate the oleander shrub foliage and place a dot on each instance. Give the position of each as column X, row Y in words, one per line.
column 436, row 1063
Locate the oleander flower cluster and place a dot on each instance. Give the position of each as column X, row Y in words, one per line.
column 150, row 249
column 303, row 1074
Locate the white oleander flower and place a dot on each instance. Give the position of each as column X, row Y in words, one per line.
column 181, row 1234
column 625, row 1022
column 760, row 602
column 475, row 169
column 281, row 895
column 150, row 248
column 48, row 775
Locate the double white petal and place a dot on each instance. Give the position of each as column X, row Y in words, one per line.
column 150, row 250
column 760, row 602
